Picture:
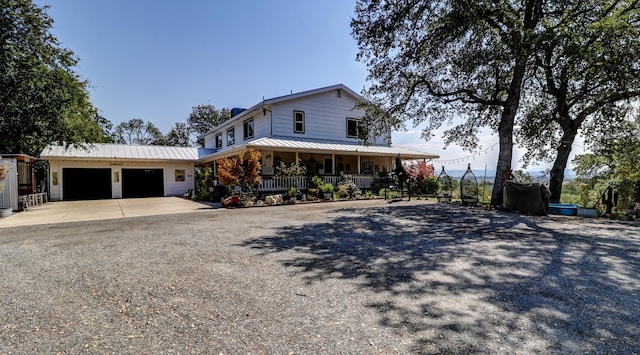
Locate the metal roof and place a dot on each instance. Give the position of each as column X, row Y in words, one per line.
column 329, row 146
column 100, row 151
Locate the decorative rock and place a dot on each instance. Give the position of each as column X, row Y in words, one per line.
column 273, row 200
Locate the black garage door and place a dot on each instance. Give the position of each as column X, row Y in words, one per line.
column 86, row 184
column 142, row 183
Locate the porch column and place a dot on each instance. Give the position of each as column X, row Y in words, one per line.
column 358, row 164
column 297, row 158
column 333, row 164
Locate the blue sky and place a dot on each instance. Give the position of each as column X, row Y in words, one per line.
column 154, row 60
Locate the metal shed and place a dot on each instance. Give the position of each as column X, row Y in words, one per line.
column 19, row 181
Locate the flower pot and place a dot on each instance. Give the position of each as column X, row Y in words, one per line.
column 6, row 212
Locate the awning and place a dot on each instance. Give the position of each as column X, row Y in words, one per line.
column 319, row 146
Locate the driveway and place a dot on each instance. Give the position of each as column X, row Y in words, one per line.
column 76, row 211
column 364, row 277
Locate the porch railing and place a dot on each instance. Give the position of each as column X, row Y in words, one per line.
column 278, row 183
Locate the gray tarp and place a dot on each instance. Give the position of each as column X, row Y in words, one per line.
column 526, row 198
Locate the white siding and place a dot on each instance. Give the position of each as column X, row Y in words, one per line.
column 171, row 187
column 325, row 116
column 210, row 141
column 262, row 124
column 261, row 127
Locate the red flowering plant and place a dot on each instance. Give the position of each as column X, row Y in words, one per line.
column 423, row 177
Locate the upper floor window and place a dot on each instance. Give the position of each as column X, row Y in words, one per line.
column 231, row 136
column 298, row 121
column 219, row 140
column 247, row 129
column 355, row 129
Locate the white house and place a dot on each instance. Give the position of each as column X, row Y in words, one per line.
column 318, row 127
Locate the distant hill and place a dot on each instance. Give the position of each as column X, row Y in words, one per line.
column 480, row 174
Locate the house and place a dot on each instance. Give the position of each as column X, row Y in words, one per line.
column 104, row 171
column 320, row 128
column 20, row 180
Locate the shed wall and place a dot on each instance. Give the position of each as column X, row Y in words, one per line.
column 9, row 195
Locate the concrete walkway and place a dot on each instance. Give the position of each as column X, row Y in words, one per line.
column 76, row 211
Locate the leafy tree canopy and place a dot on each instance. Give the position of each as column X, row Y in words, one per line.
column 205, row 117
column 179, row 135
column 136, row 131
column 242, row 170
column 42, row 98
column 475, row 64
column 587, row 67
column 433, row 62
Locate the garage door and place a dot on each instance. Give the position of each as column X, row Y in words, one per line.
column 142, row 183
column 86, row 184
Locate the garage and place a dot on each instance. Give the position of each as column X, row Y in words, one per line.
column 106, row 171
column 86, row 183
column 142, row 183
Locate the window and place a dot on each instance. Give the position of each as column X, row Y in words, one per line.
column 355, row 129
column 231, row 136
column 247, row 131
column 298, row 121
column 219, row 140
column 179, row 175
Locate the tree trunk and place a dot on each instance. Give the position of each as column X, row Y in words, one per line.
column 562, row 158
column 505, row 132
column 505, row 129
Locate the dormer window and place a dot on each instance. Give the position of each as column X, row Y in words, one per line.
column 298, row 121
column 219, row 140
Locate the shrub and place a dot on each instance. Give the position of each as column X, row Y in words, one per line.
column 346, row 187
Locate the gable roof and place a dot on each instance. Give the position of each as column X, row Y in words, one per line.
column 278, row 99
column 101, row 151
column 312, row 92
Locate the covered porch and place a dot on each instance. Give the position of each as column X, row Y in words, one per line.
column 324, row 158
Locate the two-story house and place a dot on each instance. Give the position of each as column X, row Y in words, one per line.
column 320, row 128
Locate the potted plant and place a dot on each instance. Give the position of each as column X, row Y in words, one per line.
column 4, row 212
column 327, row 190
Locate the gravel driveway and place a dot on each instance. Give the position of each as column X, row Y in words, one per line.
column 329, row 278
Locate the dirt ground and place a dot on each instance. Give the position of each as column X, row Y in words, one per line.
column 357, row 277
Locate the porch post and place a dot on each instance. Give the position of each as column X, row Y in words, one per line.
column 358, row 164
column 333, row 164
column 297, row 158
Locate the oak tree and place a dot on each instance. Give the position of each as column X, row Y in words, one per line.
column 433, row 62
column 587, row 68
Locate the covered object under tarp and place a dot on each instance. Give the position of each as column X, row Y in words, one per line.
column 526, row 198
